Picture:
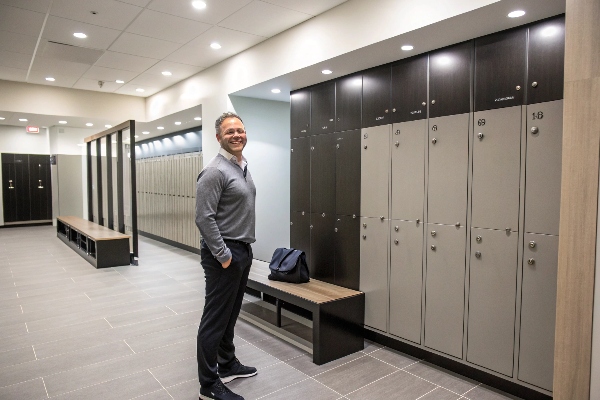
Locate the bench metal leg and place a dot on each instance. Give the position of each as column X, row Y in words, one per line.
column 278, row 305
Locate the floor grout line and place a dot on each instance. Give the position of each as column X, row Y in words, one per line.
column 368, row 384
column 33, row 348
column 26, row 327
column 432, row 390
column 112, row 327
column 45, row 388
column 161, row 385
column 125, row 341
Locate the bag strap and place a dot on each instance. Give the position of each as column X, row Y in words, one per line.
column 291, row 251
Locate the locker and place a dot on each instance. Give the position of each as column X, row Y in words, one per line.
column 322, row 237
column 450, row 80
column 40, row 187
column 300, row 113
column 496, row 168
column 322, row 174
column 347, row 173
column 300, row 234
column 347, row 251
column 546, row 61
column 376, row 96
column 406, row 279
column 374, row 171
column 374, row 260
column 500, row 65
column 300, row 174
column 492, row 295
column 538, row 310
column 322, row 108
column 543, row 167
column 22, row 187
column 408, row 169
column 348, row 103
column 409, row 89
column 445, row 288
column 448, row 169
column 9, row 188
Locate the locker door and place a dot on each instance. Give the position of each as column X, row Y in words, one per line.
column 496, row 168
column 406, row 279
column 409, row 89
column 347, row 173
column 322, row 238
column 543, row 167
column 450, row 80
column 408, row 169
column 538, row 310
column 300, row 174
column 492, row 295
column 448, row 169
column 376, row 96
column 9, row 194
column 322, row 174
column 300, row 233
column 374, row 239
column 22, row 187
column 300, row 113
column 322, row 108
column 445, row 288
column 546, row 61
column 347, row 251
column 374, row 171
column 40, row 187
column 348, row 103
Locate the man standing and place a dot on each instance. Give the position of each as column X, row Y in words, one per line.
column 225, row 216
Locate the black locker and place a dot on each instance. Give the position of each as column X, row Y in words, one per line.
column 347, row 251
column 322, row 108
column 348, row 103
column 22, row 187
column 376, row 97
column 322, row 173
column 347, row 173
column 322, row 238
column 546, row 61
column 300, row 113
column 300, row 233
column 300, row 174
column 40, row 187
column 9, row 187
column 450, row 80
column 500, row 62
column 409, row 89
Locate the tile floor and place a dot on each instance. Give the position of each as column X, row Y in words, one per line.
column 70, row 331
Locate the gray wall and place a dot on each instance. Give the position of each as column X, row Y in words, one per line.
column 69, row 176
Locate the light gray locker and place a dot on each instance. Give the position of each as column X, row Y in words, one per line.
column 406, row 279
column 374, row 260
column 496, row 168
column 543, row 167
column 408, row 169
column 448, row 169
column 445, row 288
column 374, row 171
column 538, row 310
column 492, row 296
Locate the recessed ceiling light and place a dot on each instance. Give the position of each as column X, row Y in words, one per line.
column 215, row 45
column 407, row 47
column 114, row 141
column 146, row 133
column 62, row 122
column 199, row 5
column 50, row 79
column 139, row 90
column 198, row 118
column 160, row 127
column 2, row 118
column 275, row 91
column 136, row 136
column 108, row 126
column 80, row 35
column 327, row 71
column 119, row 81
column 516, row 14
column 177, row 123
column 167, row 73
column 23, row 119
column 89, row 124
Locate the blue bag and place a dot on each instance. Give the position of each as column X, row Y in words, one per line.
column 288, row 265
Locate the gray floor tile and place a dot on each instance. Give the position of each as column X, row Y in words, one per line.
column 279, row 348
column 441, row 394
column 32, row 305
column 268, row 380
column 249, row 332
column 399, row 385
column 255, row 357
column 162, row 338
column 12, row 330
column 124, row 388
column 17, row 356
column 139, row 316
column 33, row 389
column 177, row 372
column 188, row 306
column 158, row 395
column 446, row 379
column 10, row 311
column 185, row 391
column 484, row 392
column 306, row 365
column 393, row 357
column 307, row 389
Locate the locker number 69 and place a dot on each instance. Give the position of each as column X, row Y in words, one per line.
column 481, row 122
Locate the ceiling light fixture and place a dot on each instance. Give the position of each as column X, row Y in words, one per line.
column 516, row 14
column 139, row 90
column 146, row 133
column 407, row 47
column 108, row 126
column 167, row 73
column 275, row 91
column 327, row 72
column 62, row 122
column 177, row 123
column 199, row 5
column 198, row 118
column 215, row 45
column 136, row 136
column 23, row 119
column 89, row 124
column 2, row 118
column 160, row 127
column 80, row 35
column 50, row 79
column 119, row 81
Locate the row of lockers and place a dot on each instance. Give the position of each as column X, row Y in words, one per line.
column 510, row 68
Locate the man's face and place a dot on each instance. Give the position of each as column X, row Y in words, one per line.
column 233, row 136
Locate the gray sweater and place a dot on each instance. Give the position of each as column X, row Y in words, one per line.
column 225, row 205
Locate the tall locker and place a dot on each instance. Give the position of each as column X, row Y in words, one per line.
column 322, row 242
column 300, row 175
column 347, row 251
column 409, row 89
column 374, row 171
column 40, row 187
column 300, row 113
column 9, row 188
column 348, row 103
column 347, row 173
column 322, row 174
column 322, row 108
column 450, row 80
column 300, row 234
column 376, row 96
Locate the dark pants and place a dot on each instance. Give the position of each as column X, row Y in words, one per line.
column 224, row 294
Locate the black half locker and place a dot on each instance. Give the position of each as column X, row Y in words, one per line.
column 322, row 174
column 348, row 103
column 347, row 251
column 22, row 187
column 322, row 108
column 300, row 233
column 300, row 113
column 500, row 62
column 40, row 187
column 9, row 186
column 347, row 173
column 376, row 96
column 300, row 174
column 409, row 89
column 546, row 61
column 450, row 80
column 322, row 245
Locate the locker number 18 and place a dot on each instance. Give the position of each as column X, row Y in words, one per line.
column 537, row 115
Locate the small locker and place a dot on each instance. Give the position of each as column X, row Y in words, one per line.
column 322, row 108
column 374, row 171
column 347, row 251
column 409, row 89
column 376, row 96
column 322, row 256
column 406, row 279
column 445, row 288
column 492, row 296
column 374, row 259
column 408, row 169
column 348, row 103
column 450, row 80
column 347, row 173
column 10, row 185
column 300, row 234
column 322, row 173
column 300, row 113
column 40, row 186
column 300, row 174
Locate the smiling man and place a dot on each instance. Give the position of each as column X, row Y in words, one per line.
column 225, row 216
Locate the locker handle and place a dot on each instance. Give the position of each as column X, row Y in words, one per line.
column 535, row 130
column 434, row 140
column 531, row 261
column 480, row 136
column 477, row 254
column 40, row 186
column 396, row 241
column 10, row 184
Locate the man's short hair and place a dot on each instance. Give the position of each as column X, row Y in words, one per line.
column 222, row 118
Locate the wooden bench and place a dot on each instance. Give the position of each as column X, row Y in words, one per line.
column 100, row 246
column 337, row 312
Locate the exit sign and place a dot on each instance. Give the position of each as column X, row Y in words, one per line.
column 33, row 129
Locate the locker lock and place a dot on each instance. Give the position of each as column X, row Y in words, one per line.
column 457, row 224
column 312, row 148
column 335, row 230
column 480, row 135
column 292, row 150
column 507, row 231
column 365, row 146
column 397, row 144
column 477, row 254
column 418, row 221
column 311, row 227
column 434, row 140
column 531, row 261
column 478, row 238
column 396, row 228
column 291, row 223
column 423, row 103
column 532, row 244
column 337, row 146
column 433, row 233
column 518, row 87
column 381, row 218
column 393, row 110
column 302, row 212
column 432, row 101
column 364, row 225
column 433, row 247
column 396, row 241
column 535, row 130
column 353, row 216
column 534, row 84
column 364, row 236
column 386, row 111
column 322, row 215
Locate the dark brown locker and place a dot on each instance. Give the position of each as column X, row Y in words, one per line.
column 322, row 245
column 500, row 69
column 348, row 103
column 300, row 113
column 22, row 187
column 322, row 108
column 546, row 61
column 409, row 89
column 347, row 173
column 347, row 251
column 300, row 174
column 300, row 233
column 322, row 173
column 376, row 97
column 450, row 80
column 9, row 188
column 40, row 187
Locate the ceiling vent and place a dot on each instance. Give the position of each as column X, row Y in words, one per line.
column 67, row 52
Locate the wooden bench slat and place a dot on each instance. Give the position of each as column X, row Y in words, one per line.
column 92, row 230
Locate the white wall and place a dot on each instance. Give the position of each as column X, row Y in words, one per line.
column 65, row 140
column 14, row 139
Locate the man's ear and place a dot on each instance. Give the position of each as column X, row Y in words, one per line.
column 218, row 138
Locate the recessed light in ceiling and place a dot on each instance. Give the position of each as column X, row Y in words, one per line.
column 516, row 14
column 23, row 119
column 215, row 45
column 2, row 118
column 62, row 122
column 407, row 47
column 50, row 79
column 80, row 35
column 114, row 141
column 160, row 127
column 177, row 123
column 108, row 126
column 199, row 5
column 198, row 118
column 146, row 133
column 89, row 124
column 167, row 73
column 136, row 136
column 327, row 71
column 275, row 91
column 119, row 81
column 139, row 90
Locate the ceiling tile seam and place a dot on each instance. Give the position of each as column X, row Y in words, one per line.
column 288, row 8
column 236, row 11
column 246, row 33
column 37, row 45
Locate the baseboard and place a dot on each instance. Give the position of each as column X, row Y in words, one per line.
column 22, row 224
column 170, row 242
